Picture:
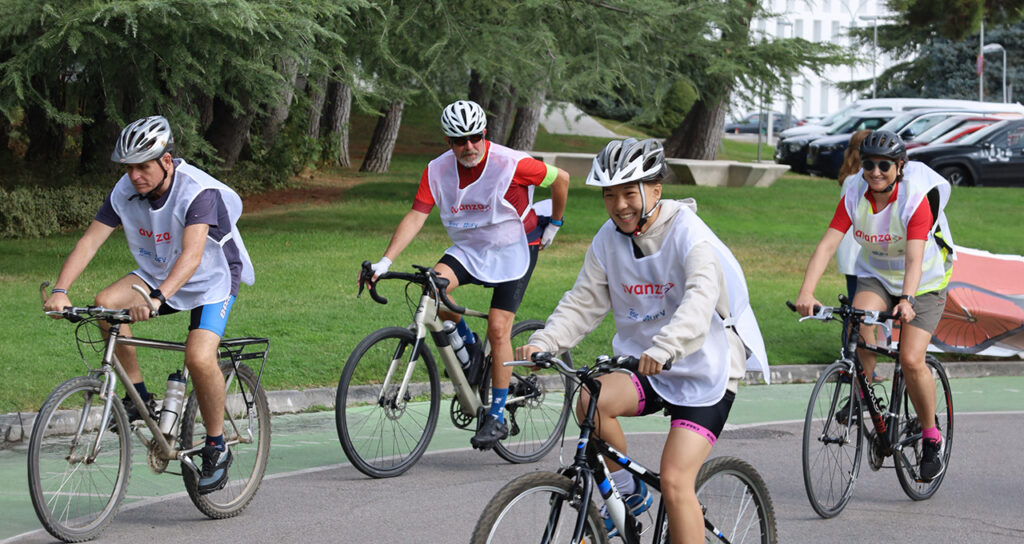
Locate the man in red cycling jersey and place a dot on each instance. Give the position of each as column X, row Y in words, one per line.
column 484, row 191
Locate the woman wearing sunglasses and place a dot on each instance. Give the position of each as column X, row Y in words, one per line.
column 895, row 210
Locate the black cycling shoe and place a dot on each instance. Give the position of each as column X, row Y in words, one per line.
column 476, row 361
column 214, row 473
column 843, row 413
column 490, row 432
column 133, row 411
column 931, row 459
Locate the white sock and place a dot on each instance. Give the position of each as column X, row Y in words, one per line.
column 624, row 482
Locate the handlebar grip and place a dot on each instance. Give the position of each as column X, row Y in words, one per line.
column 366, row 278
column 792, row 306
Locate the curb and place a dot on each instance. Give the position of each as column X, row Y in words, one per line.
column 16, row 427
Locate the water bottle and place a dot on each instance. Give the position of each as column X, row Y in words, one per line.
column 455, row 339
column 173, row 398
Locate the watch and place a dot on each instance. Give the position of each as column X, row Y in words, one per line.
column 909, row 298
column 558, row 222
column 155, row 293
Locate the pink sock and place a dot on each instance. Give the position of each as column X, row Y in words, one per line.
column 931, row 433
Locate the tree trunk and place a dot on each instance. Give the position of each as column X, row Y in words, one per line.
column 99, row 136
column 524, row 129
column 382, row 144
column 45, row 137
column 502, row 103
column 705, row 121
column 317, row 95
column 277, row 114
column 229, row 130
column 341, row 108
column 478, row 90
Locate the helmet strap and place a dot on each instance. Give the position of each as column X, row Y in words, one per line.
column 646, row 214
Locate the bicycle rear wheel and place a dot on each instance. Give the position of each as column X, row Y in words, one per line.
column 250, row 428
column 736, row 502
column 383, row 435
column 536, row 507
column 907, row 461
column 832, row 450
column 537, row 420
column 77, row 484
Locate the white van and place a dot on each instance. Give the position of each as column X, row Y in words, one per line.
column 899, row 104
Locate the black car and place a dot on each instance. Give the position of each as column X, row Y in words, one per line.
column 991, row 156
column 750, row 123
column 793, row 151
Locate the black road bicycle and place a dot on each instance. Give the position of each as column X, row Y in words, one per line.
column 389, row 396
column 835, row 431
column 557, row 507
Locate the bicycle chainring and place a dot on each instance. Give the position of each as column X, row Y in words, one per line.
column 157, row 464
column 459, row 418
column 876, row 453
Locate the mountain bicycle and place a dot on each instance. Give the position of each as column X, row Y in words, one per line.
column 386, row 425
column 556, row 507
column 80, row 449
column 834, row 426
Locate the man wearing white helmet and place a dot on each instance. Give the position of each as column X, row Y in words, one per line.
column 180, row 226
column 677, row 295
column 483, row 191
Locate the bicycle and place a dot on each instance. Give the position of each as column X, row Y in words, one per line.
column 80, row 449
column 832, row 446
column 734, row 498
column 385, row 426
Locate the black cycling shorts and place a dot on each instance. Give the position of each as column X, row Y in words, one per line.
column 707, row 421
column 507, row 295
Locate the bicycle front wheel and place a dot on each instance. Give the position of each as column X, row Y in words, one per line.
column 832, row 441
column 736, row 502
column 536, row 507
column 539, row 404
column 383, row 435
column 908, row 459
column 250, row 426
column 77, row 478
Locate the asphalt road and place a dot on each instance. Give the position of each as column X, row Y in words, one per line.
column 440, row 499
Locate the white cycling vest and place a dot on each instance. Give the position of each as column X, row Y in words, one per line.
column 645, row 294
column 154, row 237
column 883, row 235
column 486, row 232
column 849, row 249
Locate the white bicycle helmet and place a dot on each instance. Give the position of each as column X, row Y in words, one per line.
column 144, row 140
column 463, row 118
column 630, row 161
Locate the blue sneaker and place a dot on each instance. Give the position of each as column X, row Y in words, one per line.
column 638, row 503
column 213, row 475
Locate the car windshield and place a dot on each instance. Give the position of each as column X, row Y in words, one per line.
column 948, row 125
column 897, row 123
column 984, row 133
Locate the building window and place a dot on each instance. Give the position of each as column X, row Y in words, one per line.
column 816, row 36
column 823, row 89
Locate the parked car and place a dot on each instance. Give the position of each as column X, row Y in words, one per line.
column 949, row 128
column 755, row 122
column 991, row 156
column 794, row 151
column 825, row 154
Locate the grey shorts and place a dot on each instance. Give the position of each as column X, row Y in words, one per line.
column 928, row 306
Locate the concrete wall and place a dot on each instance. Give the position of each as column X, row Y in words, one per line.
column 682, row 171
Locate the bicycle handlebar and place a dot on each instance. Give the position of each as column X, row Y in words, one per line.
column 75, row 313
column 602, row 365
column 845, row 310
column 424, row 276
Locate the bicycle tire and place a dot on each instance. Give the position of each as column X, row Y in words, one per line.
column 831, row 457
column 384, row 438
column 76, row 499
column 726, row 488
column 250, row 458
column 536, row 424
column 909, row 425
column 522, row 509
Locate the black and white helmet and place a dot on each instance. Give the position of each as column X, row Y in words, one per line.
column 463, row 118
column 883, row 143
column 144, row 140
column 628, row 161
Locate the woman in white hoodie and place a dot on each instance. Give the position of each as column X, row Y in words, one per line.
column 677, row 294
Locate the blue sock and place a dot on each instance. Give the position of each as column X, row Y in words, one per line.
column 464, row 332
column 216, row 441
column 498, row 397
column 141, row 389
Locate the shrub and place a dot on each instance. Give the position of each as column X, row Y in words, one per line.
column 42, row 211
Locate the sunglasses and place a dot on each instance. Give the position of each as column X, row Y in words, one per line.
column 869, row 165
column 461, row 140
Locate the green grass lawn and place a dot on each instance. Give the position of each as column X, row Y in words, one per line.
column 307, row 258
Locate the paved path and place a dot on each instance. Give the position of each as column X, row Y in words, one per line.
column 312, row 495
column 566, row 118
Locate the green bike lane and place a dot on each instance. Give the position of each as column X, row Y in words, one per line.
column 309, row 440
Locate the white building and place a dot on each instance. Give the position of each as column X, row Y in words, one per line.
column 819, row 21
